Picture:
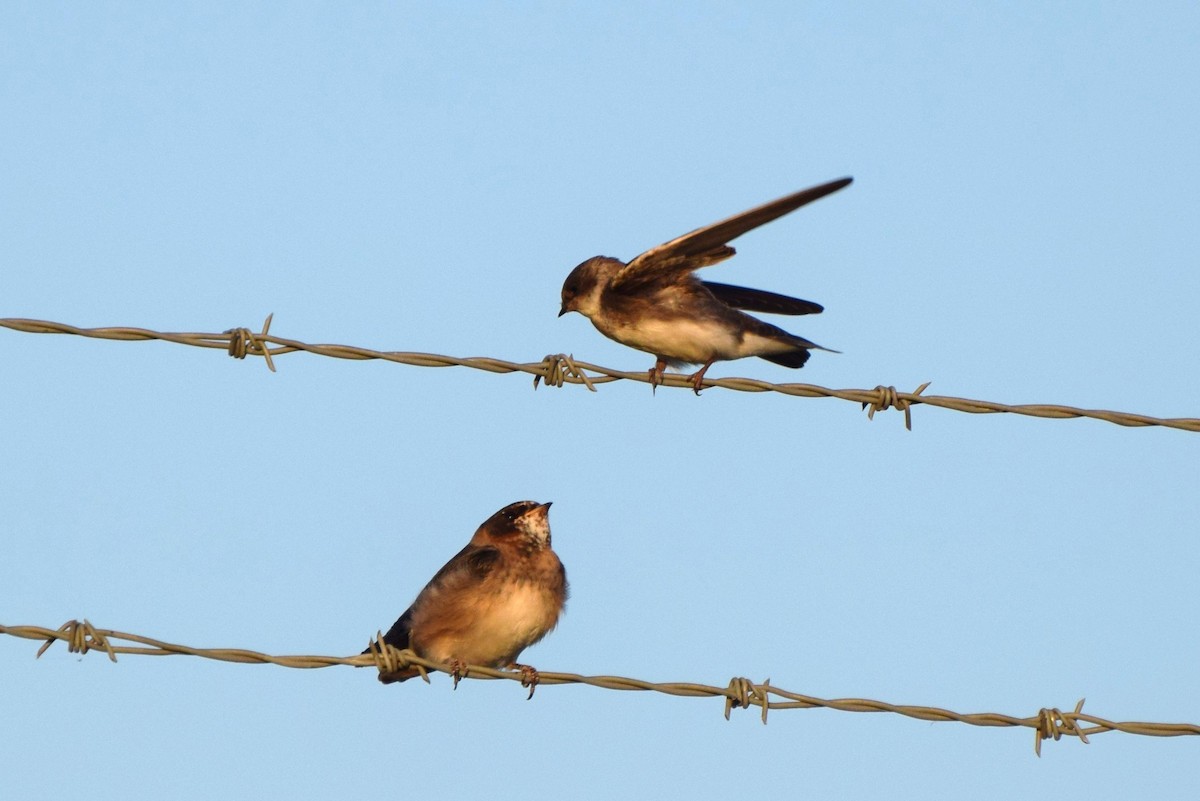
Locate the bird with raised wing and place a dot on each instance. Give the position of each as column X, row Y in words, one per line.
column 656, row 304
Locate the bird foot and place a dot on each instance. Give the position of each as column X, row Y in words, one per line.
column 656, row 375
column 529, row 677
column 458, row 671
column 698, row 378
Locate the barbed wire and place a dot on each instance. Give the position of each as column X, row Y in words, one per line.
column 1048, row 723
column 559, row 369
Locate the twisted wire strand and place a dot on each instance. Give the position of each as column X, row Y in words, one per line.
column 1048, row 723
column 559, row 369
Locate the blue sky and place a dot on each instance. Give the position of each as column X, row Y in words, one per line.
column 1021, row 229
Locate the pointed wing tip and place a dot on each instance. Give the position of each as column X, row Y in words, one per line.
column 806, row 196
column 718, row 235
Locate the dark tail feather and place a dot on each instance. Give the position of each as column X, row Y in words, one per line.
column 392, row 678
column 794, row 358
column 397, row 637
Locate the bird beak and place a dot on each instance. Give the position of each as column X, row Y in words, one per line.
column 563, row 310
column 541, row 510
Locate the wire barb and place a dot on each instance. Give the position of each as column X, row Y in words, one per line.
column 889, row 398
column 80, row 638
column 243, row 341
column 1055, row 723
column 573, row 372
column 739, row 693
column 389, row 659
column 558, row 368
column 743, row 693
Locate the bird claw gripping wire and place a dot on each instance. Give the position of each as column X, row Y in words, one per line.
column 529, row 678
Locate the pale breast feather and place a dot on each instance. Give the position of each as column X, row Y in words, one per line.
column 513, row 621
column 688, row 340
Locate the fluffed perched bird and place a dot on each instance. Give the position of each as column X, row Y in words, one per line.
column 499, row 595
column 655, row 303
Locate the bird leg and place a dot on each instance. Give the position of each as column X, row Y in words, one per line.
column 656, row 373
column 458, row 670
column 699, row 376
column 529, row 677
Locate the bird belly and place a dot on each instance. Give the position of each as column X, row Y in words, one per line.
column 493, row 629
column 681, row 339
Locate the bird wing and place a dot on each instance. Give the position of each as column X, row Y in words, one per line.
column 470, row 565
column 758, row 300
column 709, row 245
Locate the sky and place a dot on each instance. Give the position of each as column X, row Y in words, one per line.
column 1021, row 229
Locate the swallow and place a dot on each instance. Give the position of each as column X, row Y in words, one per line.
column 499, row 595
column 656, row 304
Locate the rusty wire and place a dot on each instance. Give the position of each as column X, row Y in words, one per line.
column 1048, row 723
column 559, row 369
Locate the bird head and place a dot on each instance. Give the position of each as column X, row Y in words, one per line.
column 526, row 522
column 581, row 291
